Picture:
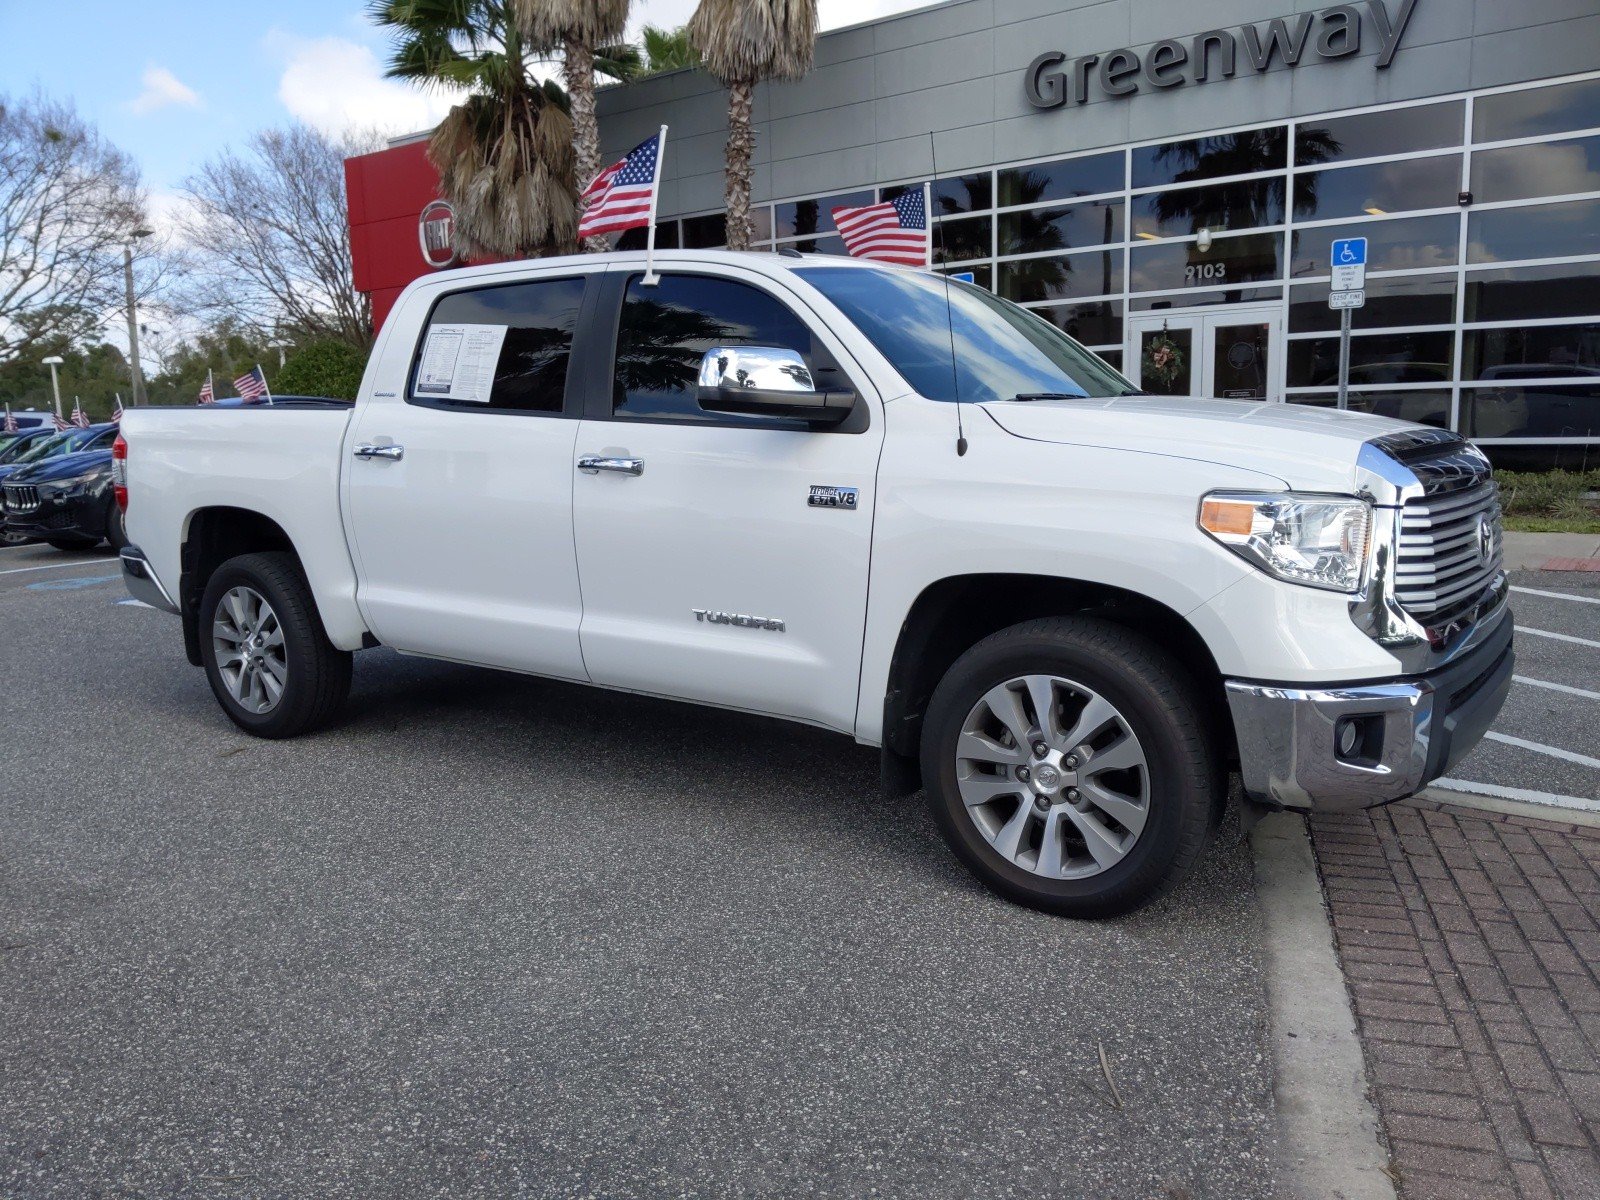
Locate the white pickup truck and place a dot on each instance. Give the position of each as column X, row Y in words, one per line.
column 869, row 500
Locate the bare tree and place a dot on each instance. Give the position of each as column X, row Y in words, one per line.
column 69, row 202
column 269, row 237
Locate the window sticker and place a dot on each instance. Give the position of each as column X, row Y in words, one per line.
column 458, row 362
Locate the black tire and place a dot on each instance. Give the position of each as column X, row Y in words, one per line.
column 318, row 680
column 116, row 528
column 77, row 543
column 1159, row 705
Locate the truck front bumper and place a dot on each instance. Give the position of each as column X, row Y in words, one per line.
column 1350, row 746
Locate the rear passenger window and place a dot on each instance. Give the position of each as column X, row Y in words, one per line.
column 666, row 329
column 503, row 348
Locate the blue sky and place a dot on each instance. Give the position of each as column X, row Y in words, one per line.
column 173, row 83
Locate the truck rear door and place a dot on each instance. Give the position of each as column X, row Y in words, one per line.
column 458, row 478
column 709, row 570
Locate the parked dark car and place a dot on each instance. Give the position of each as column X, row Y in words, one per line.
column 14, row 445
column 61, row 492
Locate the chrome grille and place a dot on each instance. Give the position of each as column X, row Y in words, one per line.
column 22, row 498
column 1450, row 544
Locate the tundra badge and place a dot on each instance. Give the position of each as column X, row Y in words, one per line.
column 826, row 496
column 712, row 616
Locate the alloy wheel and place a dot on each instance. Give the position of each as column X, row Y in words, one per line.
column 250, row 652
column 1053, row 776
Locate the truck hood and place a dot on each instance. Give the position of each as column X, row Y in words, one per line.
column 1313, row 449
column 62, row 466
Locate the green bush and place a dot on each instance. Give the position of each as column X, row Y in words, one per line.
column 1548, row 493
column 322, row 369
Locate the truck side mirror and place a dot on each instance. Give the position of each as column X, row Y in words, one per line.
column 767, row 381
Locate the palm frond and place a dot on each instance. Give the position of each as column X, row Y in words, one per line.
column 751, row 40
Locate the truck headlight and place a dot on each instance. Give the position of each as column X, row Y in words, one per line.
column 1319, row 541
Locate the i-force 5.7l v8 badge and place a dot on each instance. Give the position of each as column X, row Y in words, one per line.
column 826, row 496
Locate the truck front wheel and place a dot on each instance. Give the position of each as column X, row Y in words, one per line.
column 266, row 654
column 1069, row 766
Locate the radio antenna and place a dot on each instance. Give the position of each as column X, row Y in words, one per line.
column 949, row 312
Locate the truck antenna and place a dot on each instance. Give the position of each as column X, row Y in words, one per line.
column 949, row 314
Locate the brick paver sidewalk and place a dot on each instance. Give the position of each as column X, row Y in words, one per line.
column 1470, row 943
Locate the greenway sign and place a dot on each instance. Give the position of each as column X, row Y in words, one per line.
column 1335, row 32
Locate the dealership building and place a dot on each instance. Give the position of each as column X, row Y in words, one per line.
column 1164, row 181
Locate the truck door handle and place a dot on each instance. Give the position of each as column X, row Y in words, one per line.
column 392, row 453
column 591, row 464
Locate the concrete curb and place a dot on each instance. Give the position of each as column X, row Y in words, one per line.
column 1327, row 1125
column 1551, row 551
column 1508, row 806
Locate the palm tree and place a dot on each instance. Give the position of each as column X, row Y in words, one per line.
column 742, row 42
column 504, row 154
column 667, row 50
column 579, row 28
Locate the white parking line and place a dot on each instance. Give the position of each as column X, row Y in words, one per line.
column 1560, row 637
column 1558, row 687
column 1558, row 595
column 82, row 562
column 1583, row 760
column 1554, row 799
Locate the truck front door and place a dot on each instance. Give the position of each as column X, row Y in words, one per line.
column 458, row 479
column 710, row 569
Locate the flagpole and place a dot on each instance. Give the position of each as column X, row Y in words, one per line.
column 927, row 219
column 264, row 386
column 650, row 277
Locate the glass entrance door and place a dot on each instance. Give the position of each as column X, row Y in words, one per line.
column 1230, row 353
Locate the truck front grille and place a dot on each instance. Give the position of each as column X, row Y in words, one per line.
column 21, row 498
column 1451, row 538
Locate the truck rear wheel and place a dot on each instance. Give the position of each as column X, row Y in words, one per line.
column 266, row 654
column 1069, row 766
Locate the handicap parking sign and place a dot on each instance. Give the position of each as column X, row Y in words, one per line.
column 1348, row 258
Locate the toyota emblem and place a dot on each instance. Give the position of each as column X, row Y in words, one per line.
column 436, row 234
column 1485, row 537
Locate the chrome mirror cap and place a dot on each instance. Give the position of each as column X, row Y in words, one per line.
column 764, row 368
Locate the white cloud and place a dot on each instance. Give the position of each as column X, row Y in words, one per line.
column 337, row 85
column 162, row 89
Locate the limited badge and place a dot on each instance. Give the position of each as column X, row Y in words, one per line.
column 826, row 496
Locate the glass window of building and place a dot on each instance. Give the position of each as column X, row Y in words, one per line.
column 1531, row 292
column 634, row 239
column 1038, row 230
column 1320, row 140
column 1514, row 410
column 705, row 233
column 1391, row 300
column 797, row 218
column 1373, row 189
column 1094, row 273
column 1533, row 112
column 1410, row 243
column 982, row 274
column 969, row 237
column 1532, row 352
column 1561, row 230
column 1247, row 153
column 1426, row 356
column 1240, row 258
column 1061, row 180
column 1096, row 323
column 1180, row 212
column 1561, row 168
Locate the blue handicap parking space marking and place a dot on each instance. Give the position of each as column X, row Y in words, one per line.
column 67, row 585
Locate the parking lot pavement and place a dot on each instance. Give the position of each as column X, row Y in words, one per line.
column 497, row 935
column 1553, row 711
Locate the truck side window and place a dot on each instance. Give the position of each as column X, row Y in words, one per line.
column 665, row 329
column 526, row 328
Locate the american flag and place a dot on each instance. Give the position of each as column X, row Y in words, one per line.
column 62, row 424
column 252, row 386
column 620, row 196
column 11, row 422
column 895, row 231
column 79, row 417
column 116, row 413
column 208, row 394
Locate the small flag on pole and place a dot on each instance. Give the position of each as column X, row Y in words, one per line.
column 116, row 413
column 62, row 424
column 79, row 417
column 208, row 393
column 11, row 422
column 895, row 231
column 252, row 386
column 623, row 196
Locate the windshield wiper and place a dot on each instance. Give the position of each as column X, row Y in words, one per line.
column 1134, row 392
column 1049, row 396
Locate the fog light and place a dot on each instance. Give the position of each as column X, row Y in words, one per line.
column 1348, row 737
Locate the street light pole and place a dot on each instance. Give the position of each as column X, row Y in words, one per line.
column 53, row 362
column 133, row 320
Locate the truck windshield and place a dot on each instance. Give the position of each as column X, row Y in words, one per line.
column 1002, row 351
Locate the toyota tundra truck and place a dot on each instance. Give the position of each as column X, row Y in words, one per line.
column 865, row 498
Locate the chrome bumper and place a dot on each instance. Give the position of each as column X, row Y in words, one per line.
column 1339, row 748
column 141, row 580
